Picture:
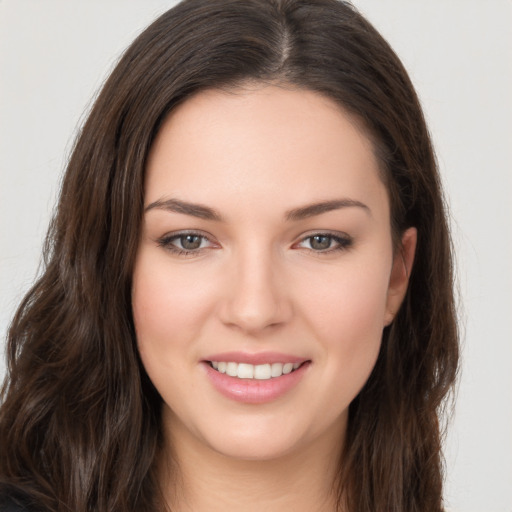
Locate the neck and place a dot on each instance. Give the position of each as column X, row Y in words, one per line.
column 199, row 479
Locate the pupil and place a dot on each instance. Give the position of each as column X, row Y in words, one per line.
column 190, row 241
column 320, row 242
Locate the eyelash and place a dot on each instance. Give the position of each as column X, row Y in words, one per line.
column 167, row 243
column 343, row 242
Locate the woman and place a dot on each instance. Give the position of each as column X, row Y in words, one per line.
column 247, row 297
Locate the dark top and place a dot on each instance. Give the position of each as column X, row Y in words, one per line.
column 11, row 504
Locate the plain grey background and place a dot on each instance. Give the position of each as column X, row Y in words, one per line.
column 54, row 55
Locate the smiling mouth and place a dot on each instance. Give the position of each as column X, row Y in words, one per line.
column 254, row 371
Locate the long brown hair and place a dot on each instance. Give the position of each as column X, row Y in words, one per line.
column 80, row 420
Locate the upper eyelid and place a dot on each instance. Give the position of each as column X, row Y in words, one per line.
column 343, row 241
column 327, row 232
column 183, row 232
column 166, row 241
column 334, row 234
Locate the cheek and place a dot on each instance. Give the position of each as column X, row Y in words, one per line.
column 348, row 302
column 166, row 302
column 348, row 321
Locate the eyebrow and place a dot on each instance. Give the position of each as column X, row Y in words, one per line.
column 205, row 212
column 312, row 210
column 194, row 209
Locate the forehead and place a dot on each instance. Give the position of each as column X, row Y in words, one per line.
column 266, row 145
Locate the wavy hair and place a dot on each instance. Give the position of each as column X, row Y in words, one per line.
column 80, row 420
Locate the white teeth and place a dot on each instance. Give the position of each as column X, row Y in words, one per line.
column 287, row 368
column 277, row 369
column 262, row 371
column 251, row 371
column 245, row 371
column 232, row 369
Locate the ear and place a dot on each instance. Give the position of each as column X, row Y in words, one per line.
column 400, row 273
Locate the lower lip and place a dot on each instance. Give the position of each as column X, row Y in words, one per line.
column 254, row 391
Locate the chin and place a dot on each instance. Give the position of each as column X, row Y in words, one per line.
column 271, row 438
column 260, row 449
column 255, row 437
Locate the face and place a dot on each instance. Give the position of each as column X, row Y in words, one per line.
column 265, row 272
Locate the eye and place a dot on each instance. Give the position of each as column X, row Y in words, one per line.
column 325, row 242
column 185, row 243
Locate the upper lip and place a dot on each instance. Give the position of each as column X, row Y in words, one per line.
column 256, row 358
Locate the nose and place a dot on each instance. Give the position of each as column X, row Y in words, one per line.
column 256, row 297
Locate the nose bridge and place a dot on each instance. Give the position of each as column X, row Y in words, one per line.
column 256, row 300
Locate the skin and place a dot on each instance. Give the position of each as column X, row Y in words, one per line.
column 257, row 283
